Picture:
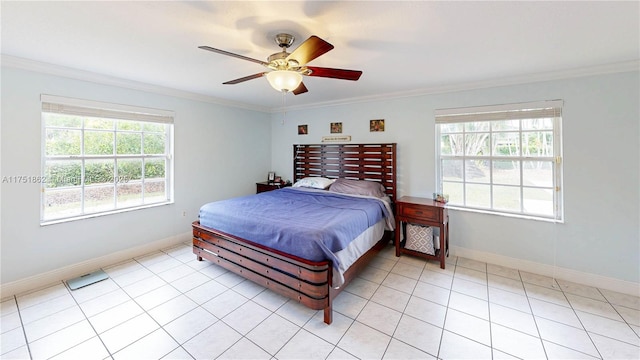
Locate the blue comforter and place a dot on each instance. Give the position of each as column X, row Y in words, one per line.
column 309, row 224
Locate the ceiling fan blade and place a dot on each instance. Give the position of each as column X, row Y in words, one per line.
column 335, row 73
column 301, row 89
column 208, row 48
column 309, row 50
column 242, row 79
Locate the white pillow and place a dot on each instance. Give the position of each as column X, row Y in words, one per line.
column 315, row 182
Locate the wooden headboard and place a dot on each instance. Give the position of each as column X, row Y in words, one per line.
column 373, row 162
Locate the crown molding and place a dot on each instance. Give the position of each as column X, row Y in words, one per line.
column 62, row 71
column 46, row 68
column 620, row 67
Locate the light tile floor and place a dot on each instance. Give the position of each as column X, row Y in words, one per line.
column 167, row 305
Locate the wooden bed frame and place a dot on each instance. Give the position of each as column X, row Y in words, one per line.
column 308, row 282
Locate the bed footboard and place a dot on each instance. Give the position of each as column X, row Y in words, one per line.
column 304, row 281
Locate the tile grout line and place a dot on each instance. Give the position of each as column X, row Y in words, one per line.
column 580, row 321
column 24, row 333
column 617, row 312
column 533, row 315
column 88, row 321
column 355, row 318
column 478, row 317
column 403, row 310
column 446, row 312
column 486, row 268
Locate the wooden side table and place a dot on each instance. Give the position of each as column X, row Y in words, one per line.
column 427, row 212
column 268, row 186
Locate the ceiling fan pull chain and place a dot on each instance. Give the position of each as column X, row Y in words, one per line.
column 284, row 112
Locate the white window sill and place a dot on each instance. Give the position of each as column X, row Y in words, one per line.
column 505, row 214
column 89, row 216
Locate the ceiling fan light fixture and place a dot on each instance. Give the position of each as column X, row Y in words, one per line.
column 285, row 70
column 284, row 80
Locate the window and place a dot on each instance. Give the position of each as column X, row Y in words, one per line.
column 101, row 158
column 503, row 159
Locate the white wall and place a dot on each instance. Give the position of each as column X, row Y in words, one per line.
column 220, row 152
column 601, row 139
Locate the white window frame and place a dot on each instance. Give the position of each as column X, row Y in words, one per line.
column 519, row 111
column 95, row 109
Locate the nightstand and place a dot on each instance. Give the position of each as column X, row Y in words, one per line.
column 427, row 212
column 268, row 186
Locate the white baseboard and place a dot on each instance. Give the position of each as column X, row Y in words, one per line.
column 71, row 271
column 599, row 281
column 81, row 268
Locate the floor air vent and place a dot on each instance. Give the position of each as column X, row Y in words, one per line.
column 87, row 279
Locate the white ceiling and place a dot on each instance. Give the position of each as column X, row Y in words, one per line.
column 401, row 47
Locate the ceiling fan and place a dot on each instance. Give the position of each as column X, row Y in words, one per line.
column 287, row 69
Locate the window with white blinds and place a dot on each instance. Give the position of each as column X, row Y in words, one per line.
column 100, row 158
column 504, row 159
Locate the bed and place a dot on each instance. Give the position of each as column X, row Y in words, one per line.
column 223, row 236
